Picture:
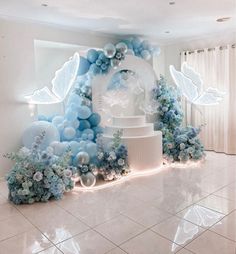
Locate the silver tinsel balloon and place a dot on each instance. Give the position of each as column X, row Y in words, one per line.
column 109, row 50
column 115, row 63
column 88, row 180
column 83, row 158
column 122, row 47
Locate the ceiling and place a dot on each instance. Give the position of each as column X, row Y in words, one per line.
column 155, row 19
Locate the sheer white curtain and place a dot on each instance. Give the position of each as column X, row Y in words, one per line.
column 218, row 69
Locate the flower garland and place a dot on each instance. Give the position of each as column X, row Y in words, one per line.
column 179, row 143
column 39, row 175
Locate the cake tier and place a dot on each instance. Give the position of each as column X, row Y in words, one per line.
column 128, row 121
column 131, row 131
column 144, row 152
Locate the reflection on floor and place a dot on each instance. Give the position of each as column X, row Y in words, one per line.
column 179, row 210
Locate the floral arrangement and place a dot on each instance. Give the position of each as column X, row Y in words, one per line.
column 38, row 175
column 112, row 158
column 179, row 143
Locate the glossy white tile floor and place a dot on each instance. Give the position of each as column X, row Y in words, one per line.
column 179, row 210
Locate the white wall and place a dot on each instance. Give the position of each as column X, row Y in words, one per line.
column 18, row 75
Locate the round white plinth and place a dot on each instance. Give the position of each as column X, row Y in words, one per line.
column 144, row 152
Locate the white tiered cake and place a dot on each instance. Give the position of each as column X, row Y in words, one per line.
column 143, row 143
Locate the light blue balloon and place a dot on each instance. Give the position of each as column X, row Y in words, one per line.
column 84, row 136
column 74, row 146
column 145, row 54
column 89, row 134
column 97, row 130
column 156, row 51
column 75, row 99
column 69, row 133
column 84, row 112
column 58, row 148
column 71, row 115
column 102, row 57
column 75, row 124
column 136, row 42
column 42, row 118
column 92, row 55
column 94, row 119
column 60, row 127
column 57, row 120
column 88, row 131
column 35, row 129
column 145, row 44
column 94, row 69
column 91, row 149
column 83, row 66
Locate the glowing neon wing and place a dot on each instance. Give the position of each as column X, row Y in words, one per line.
column 185, row 84
column 65, row 77
column 211, row 96
column 190, row 73
column 42, row 96
column 61, row 84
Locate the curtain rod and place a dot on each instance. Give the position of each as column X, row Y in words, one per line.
column 209, row 49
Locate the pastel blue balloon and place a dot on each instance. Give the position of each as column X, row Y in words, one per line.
column 145, row 54
column 89, row 133
column 74, row 146
column 75, row 124
column 90, row 136
column 84, row 112
column 84, row 136
column 94, row 69
column 83, row 66
column 99, row 62
column 84, row 124
column 109, row 50
column 92, row 55
column 136, row 42
column 60, row 127
column 57, row 120
column 74, row 99
column 97, row 130
column 128, row 44
column 156, row 51
column 145, row 44
column 91, row 149
column 69, row 133
column 58, row 148
column 94, row 119
column 102, row 57
column 71, row 115
column 37, row 128
column 42, row 118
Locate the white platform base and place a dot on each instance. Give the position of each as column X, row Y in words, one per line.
column 143, row 143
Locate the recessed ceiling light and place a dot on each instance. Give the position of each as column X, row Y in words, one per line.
column 167, row 32
column 44, row 5
column 171, row 2
column 223, row 19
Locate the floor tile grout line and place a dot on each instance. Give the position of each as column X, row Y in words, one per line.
column 36, row 227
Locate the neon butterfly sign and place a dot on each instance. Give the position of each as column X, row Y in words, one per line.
column 61, row 84
column 190, row 84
